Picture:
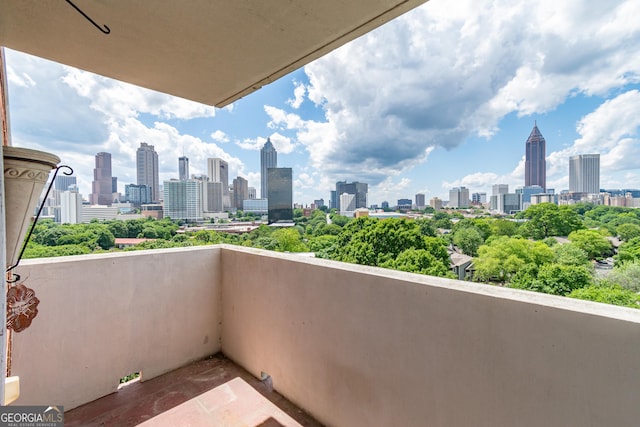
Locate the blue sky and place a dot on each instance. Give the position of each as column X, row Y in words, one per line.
column 440, row 97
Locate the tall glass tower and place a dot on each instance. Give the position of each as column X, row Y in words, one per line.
column 584, row 173
column 268, row 160
column 147, row 170
column 102, row 181
column 535, row 167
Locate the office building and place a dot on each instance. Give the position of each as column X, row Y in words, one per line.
column 213, row 197
column 435, row 203
column 147, row 170
column 218, row 170
column 404, row 205
column 183, row 168
column 240, row 191
column 347, row 202
column 535, row 167
column 268, row 159
column 252, row 193
column 102, row 190
column 478, row 198
column 358, row 189
column 509, row 203
column 63, row 182
column 584, row 174
column 319, row 203
column 183, row 200
column 280, row 195
column 420, row 201
column 70, row 207
column 256, row 206
column 459, row 197
column 137, row 195
column 527, row 192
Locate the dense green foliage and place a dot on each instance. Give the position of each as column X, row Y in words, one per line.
column 527, row 252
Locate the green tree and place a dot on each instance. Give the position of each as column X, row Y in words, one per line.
column 626, row 275
column 556, row 279
column 592, row 242
column 628, row 231
column 419, row 261
column 629, row 251
column 570, row 254
column 289, row 240
column 608, row 294
column 468, row 239
column 105, row 239
column 503, row 256
column 548, row 219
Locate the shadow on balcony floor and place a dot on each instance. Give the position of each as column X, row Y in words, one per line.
column 210, row 390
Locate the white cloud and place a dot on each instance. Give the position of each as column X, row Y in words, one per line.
column 220, row 136
column 282, row 144
column 440, row 74
column 298, row 95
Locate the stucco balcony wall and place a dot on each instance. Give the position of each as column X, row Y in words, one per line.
column 102, row 317
column 352, row 345
column 359, row 346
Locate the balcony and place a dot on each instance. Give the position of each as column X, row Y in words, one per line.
column 351, row 345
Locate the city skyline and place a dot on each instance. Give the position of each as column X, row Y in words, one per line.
column 411, row 118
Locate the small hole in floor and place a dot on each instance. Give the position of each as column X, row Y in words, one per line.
column 129, row 379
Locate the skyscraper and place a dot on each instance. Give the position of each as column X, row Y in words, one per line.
column 420, row 201
column 102, row 181
column 584, row 173
column 147, row 170
column 459, row 197
column 63, row 182
column 359, row 189
column 183, row 168
column 183, row 199
column 280, row 195
column 219, row 172
column 240, row 191
column 268, row 159
column 535, row 168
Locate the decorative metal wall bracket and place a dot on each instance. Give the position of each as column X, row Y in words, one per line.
column 69, row 171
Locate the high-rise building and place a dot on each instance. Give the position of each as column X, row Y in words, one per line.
column 70, row 207
column 240, row 191
column 63, row 182
column 509, row 203
column 347, row 202
column 584, row 173
column 459, row 197
column 252, row 193
column 319, row 203
column 478, row 198
column 213, row 197
column 358, row 189
column 268, row 159
column 101, row 186
column 183, row 199
column 280, row 195
column 527, row 192
column 333, row 200
column 535, row 167
column 219, row 172
column 183, row 168
column 137, row 195
column 404, row 205
column 147, row 170
column 420, row 201
column 435, row 203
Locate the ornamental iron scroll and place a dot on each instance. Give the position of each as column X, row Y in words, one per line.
column 68, row 171
column 22, row 307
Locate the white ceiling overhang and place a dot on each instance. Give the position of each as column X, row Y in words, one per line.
column 208, row 51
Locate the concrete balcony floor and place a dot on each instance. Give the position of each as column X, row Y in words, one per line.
column 213, row 391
